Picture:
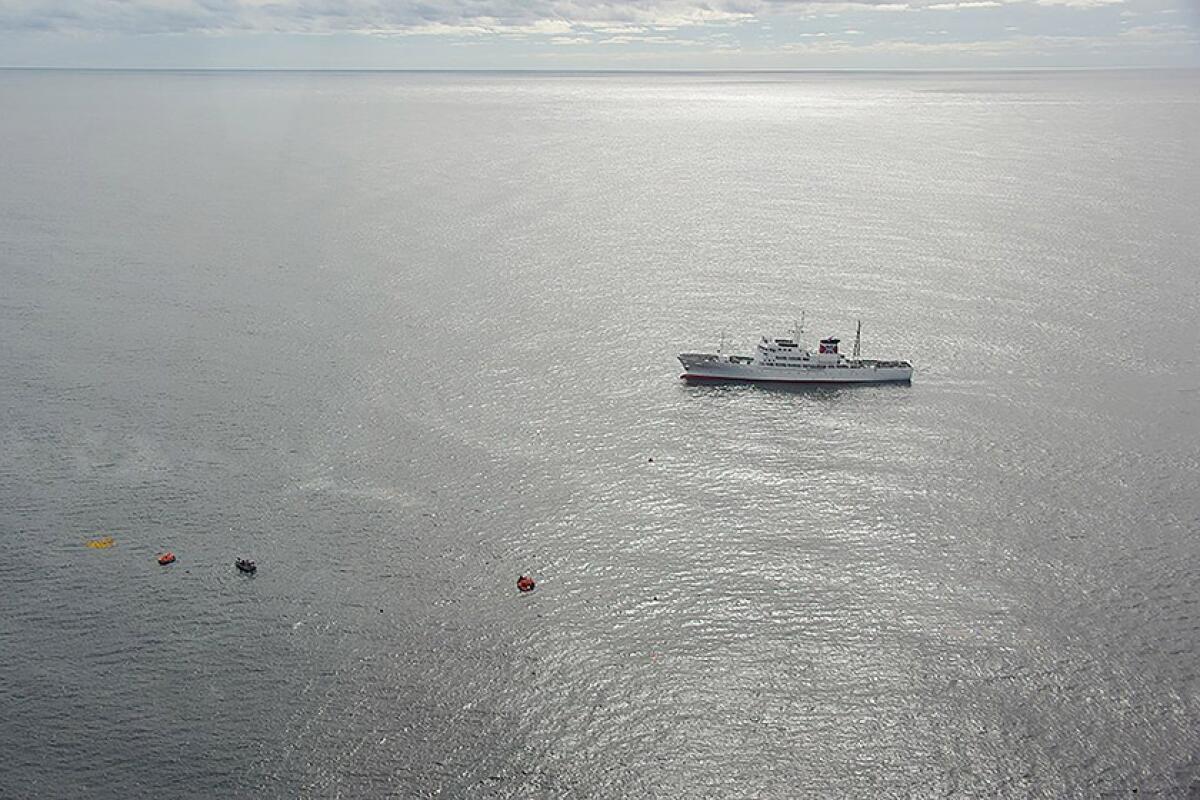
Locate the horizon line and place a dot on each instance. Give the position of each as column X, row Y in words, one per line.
column 611, row 70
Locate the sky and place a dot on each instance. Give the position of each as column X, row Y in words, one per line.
column 599, row 34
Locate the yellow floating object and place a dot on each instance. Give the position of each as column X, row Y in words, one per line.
column 102, row 543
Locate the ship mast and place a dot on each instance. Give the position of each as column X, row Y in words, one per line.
column 858, row 340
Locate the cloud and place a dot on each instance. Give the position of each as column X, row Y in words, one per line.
column 1079, row 3
column 982, row 47
column 433, row 17
column 1161, row 34
column 969, row 4
column 1147, row 38
column 775, row 32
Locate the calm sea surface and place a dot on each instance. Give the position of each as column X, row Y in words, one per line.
column 403, row 337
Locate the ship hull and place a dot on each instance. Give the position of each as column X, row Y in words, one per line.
column 754, row 373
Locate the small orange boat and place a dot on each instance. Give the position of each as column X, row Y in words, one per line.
column 525, row 583
column 166, row 558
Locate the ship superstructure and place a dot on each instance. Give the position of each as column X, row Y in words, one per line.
column 784, row 360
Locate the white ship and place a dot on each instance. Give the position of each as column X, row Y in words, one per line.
column 785, row 361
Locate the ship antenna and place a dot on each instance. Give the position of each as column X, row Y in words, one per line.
column 858, row 340
column 800, row 327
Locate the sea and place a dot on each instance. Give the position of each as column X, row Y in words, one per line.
column 402, row 337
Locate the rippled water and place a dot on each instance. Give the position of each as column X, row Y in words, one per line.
column 402, row 337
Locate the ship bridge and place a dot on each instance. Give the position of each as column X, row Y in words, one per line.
column 788, row 353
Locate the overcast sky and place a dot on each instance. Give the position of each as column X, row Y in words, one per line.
column 599, row 34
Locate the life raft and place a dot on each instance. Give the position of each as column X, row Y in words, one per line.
column 166, row 558
column 525, row 583
column 245, row 565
